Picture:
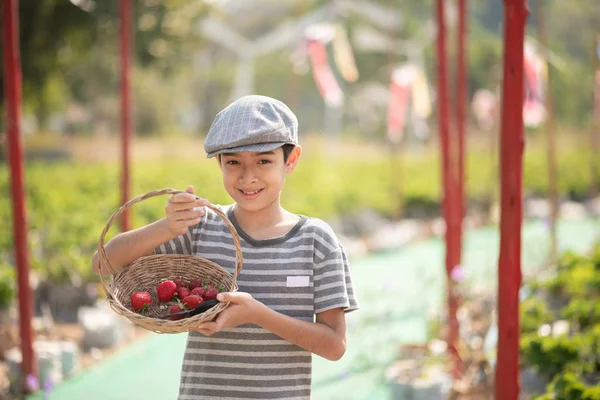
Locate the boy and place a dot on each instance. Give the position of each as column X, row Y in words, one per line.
column 295, row 284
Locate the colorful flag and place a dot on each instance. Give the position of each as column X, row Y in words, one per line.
column 421, row 100
column 343, row 55
column 400, row 93
column 536, row 73
column 324, row 78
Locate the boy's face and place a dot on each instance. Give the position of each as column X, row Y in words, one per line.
column 254, row 180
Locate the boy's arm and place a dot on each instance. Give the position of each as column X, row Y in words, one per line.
column 127, row 247
column 183, row 210
column 326, row 337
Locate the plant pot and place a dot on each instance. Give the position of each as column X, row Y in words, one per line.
column 63, row 299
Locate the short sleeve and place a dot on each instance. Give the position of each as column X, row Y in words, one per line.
column 180, row 245
column 333, row 283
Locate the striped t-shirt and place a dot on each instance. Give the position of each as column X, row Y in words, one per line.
column 300, row 274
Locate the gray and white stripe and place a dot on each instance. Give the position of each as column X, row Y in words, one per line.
column 249, row 362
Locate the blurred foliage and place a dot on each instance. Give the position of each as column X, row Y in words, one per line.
column 70, row 55
column 571, row 359
column 551, row 355
column 582, row 312
column 7, row 285
column 533, row 314
column 570, row 386
column 69, row 202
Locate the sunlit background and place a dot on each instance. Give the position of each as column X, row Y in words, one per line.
column 361, row 77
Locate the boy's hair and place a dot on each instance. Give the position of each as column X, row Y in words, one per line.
column 287, row 150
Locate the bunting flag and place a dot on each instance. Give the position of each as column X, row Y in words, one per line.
column 400, row 93
column 343, row 55
column 421, row 100
column 536, row 73
column 324, row 78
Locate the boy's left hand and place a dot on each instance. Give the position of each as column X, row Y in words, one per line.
column 241, row 310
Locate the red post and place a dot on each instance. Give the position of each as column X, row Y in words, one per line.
column 12, row 96
column 450, row 186
column 507, row 382
column 125, row 107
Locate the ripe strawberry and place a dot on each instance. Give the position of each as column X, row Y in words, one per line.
column 166, row 290
column 183, row 292
column 192, row 301
column 211, row 294
column 175, row 308
column 140, row 301
column 195, row 283
column 179, row 282
column 199, row 291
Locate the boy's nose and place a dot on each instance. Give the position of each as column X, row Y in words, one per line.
column 248, row 176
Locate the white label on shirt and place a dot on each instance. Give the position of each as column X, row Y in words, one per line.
column 298, row 281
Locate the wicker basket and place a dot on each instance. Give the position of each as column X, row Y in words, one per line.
column 145, row 273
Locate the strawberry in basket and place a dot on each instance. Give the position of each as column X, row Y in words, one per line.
column 166, row 290
column 140, row 301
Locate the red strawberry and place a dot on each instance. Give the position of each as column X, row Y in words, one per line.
column 199, row 291
column 175, row 309
column 166, row 290
column 140, row 301
column 183, row 292
column 211, row 294
column 180, row 283
column 192, row 301
column 195, row 283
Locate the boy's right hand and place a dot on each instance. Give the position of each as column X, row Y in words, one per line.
column 184, row 210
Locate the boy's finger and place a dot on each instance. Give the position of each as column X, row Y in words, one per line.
column 182, row 198
column 188, row 222
column 192, row 205
column 187, row 215
column 207, row 326
column 188, row 206
column 190, row 189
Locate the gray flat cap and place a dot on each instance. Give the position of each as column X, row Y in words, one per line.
column 251, row 123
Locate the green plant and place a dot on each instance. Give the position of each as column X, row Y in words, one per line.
column 584, row 312
column 551, row 356
column 570, row 386
column 534, row 313
column 7, row 282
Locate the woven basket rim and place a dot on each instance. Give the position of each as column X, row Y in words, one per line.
column 152, row 323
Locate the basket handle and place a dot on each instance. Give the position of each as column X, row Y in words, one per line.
column 103, row 259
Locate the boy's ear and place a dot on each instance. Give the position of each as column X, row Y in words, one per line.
column 293, row 159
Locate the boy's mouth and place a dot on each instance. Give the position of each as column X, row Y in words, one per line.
column 250, row 194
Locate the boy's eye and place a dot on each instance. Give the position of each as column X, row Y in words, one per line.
column 232, row 162
column 264, row 162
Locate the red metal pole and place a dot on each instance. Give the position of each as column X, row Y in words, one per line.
column 449, row 183
column 507, row 382
column 125, row 107
column 12, row 96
